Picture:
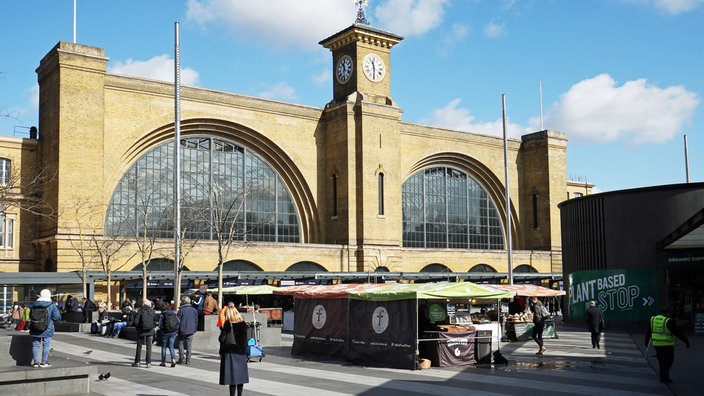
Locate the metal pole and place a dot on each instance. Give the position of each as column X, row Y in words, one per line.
column 74, row 21
column 508, row 194
column 686, row 157
column 541, row 105
column 177, row 161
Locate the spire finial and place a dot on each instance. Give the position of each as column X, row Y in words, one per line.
column 360, row 11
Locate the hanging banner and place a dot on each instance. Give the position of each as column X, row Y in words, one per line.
column 320, row 327
column 622, row 294
column 383, row 333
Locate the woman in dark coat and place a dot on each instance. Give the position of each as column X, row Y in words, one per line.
column 233, row 355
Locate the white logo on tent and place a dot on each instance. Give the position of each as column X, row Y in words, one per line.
column 380, row 320
column 319, row 316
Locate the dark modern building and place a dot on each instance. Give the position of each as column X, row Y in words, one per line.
column 636, row 250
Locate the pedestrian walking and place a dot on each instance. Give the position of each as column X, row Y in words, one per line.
column 540, row 313
column 144, row 321
column 662, row 330
column 595, row 323
column 188, row 325
column 43, row 314
column 233, row 351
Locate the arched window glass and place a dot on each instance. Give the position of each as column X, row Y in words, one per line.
column 446, row 208
column 482, row 268
column 157, row 264
column 226, row 190
column 306, row 266
column 240, row 265
column 525, row 269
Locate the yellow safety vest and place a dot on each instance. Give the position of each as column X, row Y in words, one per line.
column 660, row 334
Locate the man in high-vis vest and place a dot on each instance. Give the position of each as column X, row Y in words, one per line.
column 662, row 331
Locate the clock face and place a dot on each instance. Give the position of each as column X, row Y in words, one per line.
column 343, row 71
column 374, row 68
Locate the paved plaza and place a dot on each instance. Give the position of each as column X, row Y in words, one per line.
column 569, row 367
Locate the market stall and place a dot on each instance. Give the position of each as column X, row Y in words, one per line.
column 519, row 326
column 321, row 316
column 384, row 326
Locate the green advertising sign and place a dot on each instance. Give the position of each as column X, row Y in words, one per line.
column 625, row 294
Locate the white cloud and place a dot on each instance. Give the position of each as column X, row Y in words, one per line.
column 322, row 78
column 672, row 7
column 597, row 110
column 454, row 117
column 410, row 17
column 278, row 23
column 495, row 30
column 157, row 68
column 279, row 91
column 448, row 41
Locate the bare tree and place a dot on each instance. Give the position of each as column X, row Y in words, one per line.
column 83, row 226
column 24, row 189
column 225, row 220
column 153, row 214
column 185, row 247
column 106, row 248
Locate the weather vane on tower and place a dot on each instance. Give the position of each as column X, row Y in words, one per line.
column 360, row 11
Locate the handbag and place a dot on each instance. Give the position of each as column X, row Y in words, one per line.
column 227, row 339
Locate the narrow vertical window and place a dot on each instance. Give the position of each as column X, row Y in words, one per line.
column 2, row 229
column 334, row 195
column 9, row 225
column 535, row 211
column 381, row 194
column 4, row 171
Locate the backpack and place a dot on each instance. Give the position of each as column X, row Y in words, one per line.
column 146, row 320
column 170, row 323
column 39, row 319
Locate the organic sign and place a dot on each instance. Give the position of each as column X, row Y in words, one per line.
column 624, row 294
column 437, row 313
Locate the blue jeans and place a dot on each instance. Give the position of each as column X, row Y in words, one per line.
column 36, row 344
column 167, row 341
column 117, row 326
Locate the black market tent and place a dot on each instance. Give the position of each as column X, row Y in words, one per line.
column 321, row 316
column 383, row 323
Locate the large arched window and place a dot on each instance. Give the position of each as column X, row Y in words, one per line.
column 226, row 191
column 446, row 208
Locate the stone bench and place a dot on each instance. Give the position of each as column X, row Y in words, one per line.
column 18, row 377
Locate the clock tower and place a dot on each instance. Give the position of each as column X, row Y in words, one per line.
column 361, row 142
column 361, row 59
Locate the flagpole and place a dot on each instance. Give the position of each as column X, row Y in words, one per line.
column 508, row 194
column 74, row 21
column 541, row 105
column 177, row 162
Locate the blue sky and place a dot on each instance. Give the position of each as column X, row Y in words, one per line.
column 623, row 79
